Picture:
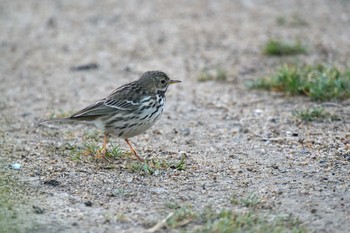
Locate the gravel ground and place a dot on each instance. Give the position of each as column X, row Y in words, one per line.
column 237, row 141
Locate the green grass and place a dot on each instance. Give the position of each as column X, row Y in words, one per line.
column 210, row 220
column 318, row 82
column 144, row 168
column 229, row 221
column 315, row 114
column 156, row 164
column 251, row 200
column 172, row 205
column 114, row 151
column 213, row 75
column 91, row 149
column 283, row 48
column 182, row 217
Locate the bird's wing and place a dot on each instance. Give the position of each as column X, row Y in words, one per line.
column 105, row 107
column 123, row 105
column 120, row 100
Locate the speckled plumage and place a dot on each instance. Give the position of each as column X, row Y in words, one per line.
column 130, row 109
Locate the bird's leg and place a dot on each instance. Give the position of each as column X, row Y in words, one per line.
column 102, row 152
column 133, row 151
column 104, row 146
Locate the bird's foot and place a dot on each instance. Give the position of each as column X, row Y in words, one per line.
column 132, row 156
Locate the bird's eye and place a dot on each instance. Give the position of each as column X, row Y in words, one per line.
column 162, row 81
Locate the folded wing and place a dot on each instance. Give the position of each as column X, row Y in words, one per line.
column 103, row 108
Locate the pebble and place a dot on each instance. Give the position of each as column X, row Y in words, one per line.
column 16, row 166
column 52, row 182
column 38, row 210
column 258, row 111
column 186, row 131
column 88, row 203
column 183, row 153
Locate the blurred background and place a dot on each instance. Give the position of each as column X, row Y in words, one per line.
column 43, row 41
column 262, row 109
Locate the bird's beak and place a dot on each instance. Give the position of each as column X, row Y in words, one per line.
column 174, row 81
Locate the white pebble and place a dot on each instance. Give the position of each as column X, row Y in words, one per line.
column 16, row 166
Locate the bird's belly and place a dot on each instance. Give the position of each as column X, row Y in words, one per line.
column 132, row 126
column 133, row 131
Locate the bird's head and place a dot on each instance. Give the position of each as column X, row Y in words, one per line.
column 156, row 81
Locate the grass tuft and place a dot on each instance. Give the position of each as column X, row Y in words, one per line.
column 210, row 220
column 154, row 165
column 252, row 200
column 181, row 217
column 315, row 114
column 90, row 149
column 144, row 167
column 181, row 165
column 282, row 48
column 114, row 151
column 318, row 82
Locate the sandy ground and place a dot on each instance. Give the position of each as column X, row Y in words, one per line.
column 237, row 141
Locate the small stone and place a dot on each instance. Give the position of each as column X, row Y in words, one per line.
column 186, row 131
column 157, row 132
column 258, row 111
column 156, row 173
column 183, row 154
column 88, row 203
column 38, row 210
column 16, row 166
column 273, row 120
column 52, row 182
column 244, row 130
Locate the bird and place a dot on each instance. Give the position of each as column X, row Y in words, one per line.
column 128, row 111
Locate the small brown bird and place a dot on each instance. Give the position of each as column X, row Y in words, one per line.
column 128, row 111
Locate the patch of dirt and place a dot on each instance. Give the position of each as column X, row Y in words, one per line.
column 237, row 141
